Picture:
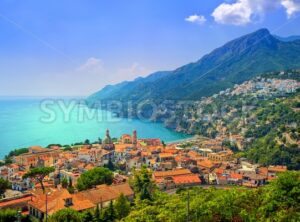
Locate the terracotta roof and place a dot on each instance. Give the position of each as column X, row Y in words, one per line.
column 105, row 193
column 170, row 150
column 277, row 169
column 236, row 176
column 14, row 201
column 254, row 176
column 165, row 155
column 186, row 179
column 175, row 172
column 14, row 166
column 219, row 170
column 263, row 170
column 56, row 201
column 120, row 148
column 205, row 163
column 193, row 154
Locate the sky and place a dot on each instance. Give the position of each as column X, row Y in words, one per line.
column 76, row 47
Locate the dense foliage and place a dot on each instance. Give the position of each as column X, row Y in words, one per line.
column 66, row 215
column 93, row 177
column 277, row 201
column 4, row 184
column 142, row 183
column 275, row 132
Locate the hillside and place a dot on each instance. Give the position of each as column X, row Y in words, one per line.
column 263, row 110
column 237, row 61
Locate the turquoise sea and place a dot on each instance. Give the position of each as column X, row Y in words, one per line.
column 27, row 121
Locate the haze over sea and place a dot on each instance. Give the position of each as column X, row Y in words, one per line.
column 24, row 123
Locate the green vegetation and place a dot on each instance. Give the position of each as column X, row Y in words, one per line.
column 142, row 184
column 66, row 215
column 59, row 145
column 9, row 215
column 4, row 185
column 235, row 62
column 39, row 174
column 276, row 128
column 18, row 152
column 122, row 207
column 278, row 201
column 93, row 177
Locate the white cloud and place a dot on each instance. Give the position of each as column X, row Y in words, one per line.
column 291, row 6
column 242, row 12
column 238, row 13
column 199, row 19
column 92, row 65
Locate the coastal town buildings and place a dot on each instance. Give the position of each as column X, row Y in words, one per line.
column 207, row 162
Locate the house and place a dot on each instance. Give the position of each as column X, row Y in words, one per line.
column 273, row 170
column 103, row 194
column 225, row 155
column 254, row 180
column 235, row 178
column 18, row 202
column 206, row 165
column 37, row 156
column 175, row 178
column 54, row 200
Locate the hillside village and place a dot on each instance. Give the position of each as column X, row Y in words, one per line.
column 218, row 157
column 197, row 162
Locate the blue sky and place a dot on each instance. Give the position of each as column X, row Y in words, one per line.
column 73, row 47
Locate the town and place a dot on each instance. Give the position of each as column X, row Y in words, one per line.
column 197, row 161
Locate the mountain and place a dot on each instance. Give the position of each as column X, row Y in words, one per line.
column 288, row 39
column 236, row 61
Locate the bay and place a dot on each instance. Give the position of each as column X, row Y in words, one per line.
column 28, row 121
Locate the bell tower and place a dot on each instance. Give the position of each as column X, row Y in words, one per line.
column 134, row 138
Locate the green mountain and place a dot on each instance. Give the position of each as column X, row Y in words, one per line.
column 237, row 61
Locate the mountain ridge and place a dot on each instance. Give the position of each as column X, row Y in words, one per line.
column 234, row 62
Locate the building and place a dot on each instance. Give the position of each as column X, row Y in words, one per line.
column 175, row 178
column 55, row 200
column 103, row 194
column 38, row 156
column 58, row 199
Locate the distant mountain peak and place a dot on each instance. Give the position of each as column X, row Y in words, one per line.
column 234, row 62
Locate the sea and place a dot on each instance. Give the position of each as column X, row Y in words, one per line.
column 31, row 121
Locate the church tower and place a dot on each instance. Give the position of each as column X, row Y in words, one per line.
column 134, row 138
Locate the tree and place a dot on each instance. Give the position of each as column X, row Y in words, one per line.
column 66, row 215
column 4, row 184
column 143, row 184
column 39, row 174
column 283, row 196
column 70, row 188
column 64, row 182
column 87, row 142
column 7, row 160
column 109, row 214
column 97, row 214
column 87, row 216
column 8, row 215
column 110, row 165
column 122, row 207
column 93, row 177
